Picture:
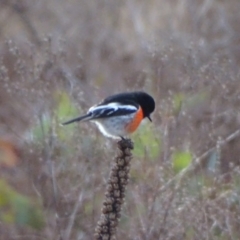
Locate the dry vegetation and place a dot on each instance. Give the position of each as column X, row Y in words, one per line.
column 57, row 58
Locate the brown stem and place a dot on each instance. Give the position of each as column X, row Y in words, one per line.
column 114, row 196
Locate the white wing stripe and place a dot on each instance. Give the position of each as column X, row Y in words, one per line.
column 109, row 113
column 113, row 106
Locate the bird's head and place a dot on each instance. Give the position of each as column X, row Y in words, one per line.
column 146, row 102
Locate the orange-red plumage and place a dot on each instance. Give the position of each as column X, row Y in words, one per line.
column 133, row 125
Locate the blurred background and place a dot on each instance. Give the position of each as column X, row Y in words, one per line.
column 57, row 58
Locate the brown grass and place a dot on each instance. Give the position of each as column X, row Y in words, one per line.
column 185, row 53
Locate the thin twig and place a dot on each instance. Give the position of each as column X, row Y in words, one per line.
column 48, row 149
column 73, row 216
column 198, row 161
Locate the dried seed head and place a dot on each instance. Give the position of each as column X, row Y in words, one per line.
column 120, row 162
column 112, row 216
column 109, row 188
column 113, row 179
column 105, row 237
column 122, row 173
column 117, row 193
column 114, row 196
column 109, row 200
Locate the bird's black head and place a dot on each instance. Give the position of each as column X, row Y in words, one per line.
column 143, row 99
column 146, row 102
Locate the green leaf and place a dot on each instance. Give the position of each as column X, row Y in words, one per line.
column 196, row 99
column 181, row 160
column 183, row 101
column 146, row 142
column 19, row 209
column 5, row 194
column 50, row 121
column 41, row 128
column 64, row 111
column 178, row 101
column 26, row 213
column 65, row 108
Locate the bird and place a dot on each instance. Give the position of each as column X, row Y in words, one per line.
column 119, row 115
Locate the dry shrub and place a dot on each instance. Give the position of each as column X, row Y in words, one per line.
column 60, row 57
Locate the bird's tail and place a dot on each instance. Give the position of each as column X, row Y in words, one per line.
column 78, row 119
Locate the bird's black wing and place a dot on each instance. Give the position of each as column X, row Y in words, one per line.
column 111, row 110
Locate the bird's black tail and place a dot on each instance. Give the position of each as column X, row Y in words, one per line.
column 78, row 119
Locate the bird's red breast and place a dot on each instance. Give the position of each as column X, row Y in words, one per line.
column 132, row 126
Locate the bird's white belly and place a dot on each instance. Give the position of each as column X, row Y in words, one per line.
column 114, row 127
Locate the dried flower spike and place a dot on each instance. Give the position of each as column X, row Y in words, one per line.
column 114, row 196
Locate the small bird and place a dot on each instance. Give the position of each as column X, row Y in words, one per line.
column 119, row 115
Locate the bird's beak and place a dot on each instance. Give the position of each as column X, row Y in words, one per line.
column 149, row 118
